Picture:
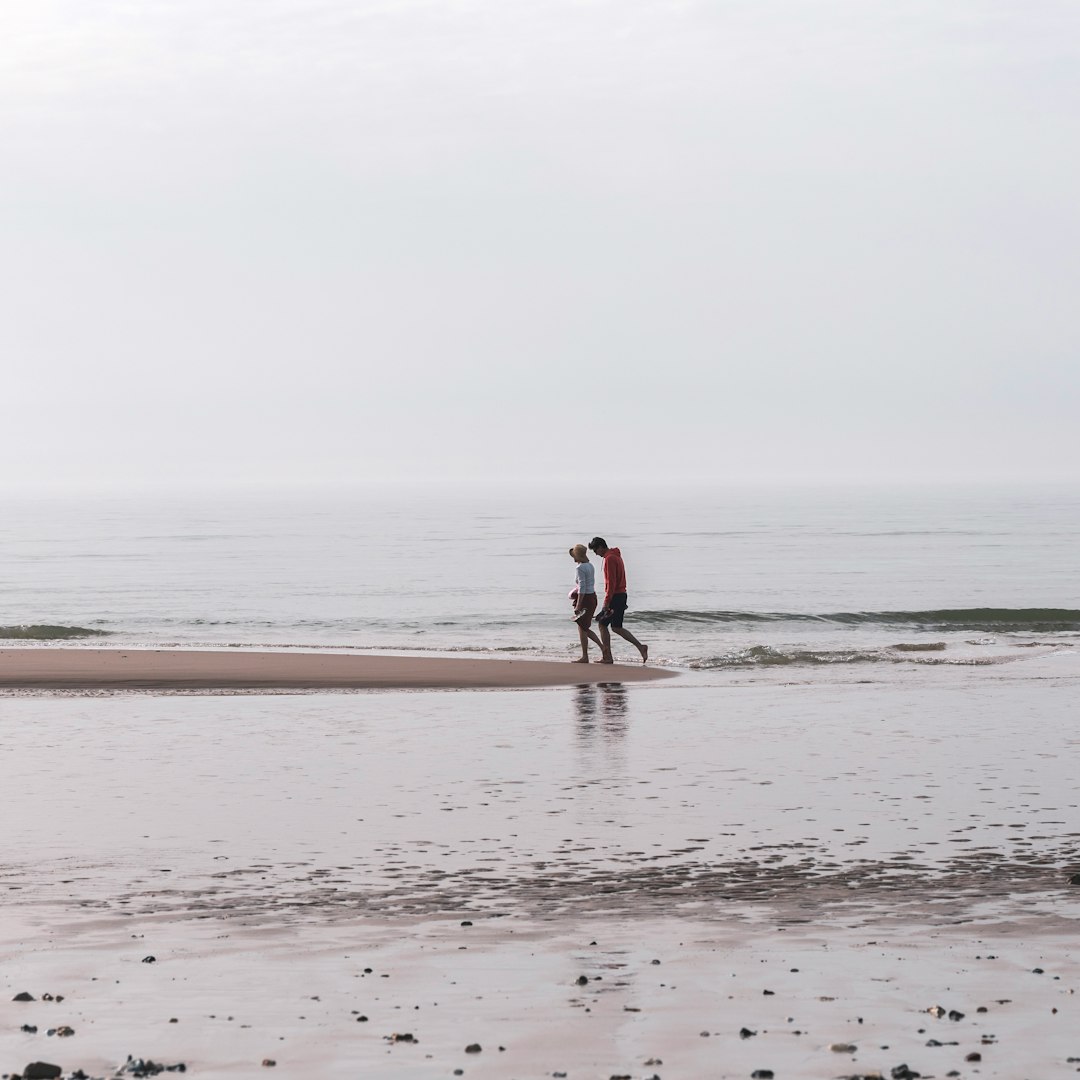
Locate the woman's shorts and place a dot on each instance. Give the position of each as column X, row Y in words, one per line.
column 586, row 608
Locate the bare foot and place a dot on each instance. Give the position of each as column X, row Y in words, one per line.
column 607, row 660
column 644, row 654
column 583, row 660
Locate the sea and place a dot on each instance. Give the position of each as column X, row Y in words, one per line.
column 860, row 786
column 743, row 582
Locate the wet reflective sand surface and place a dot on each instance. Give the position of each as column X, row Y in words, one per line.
column 817, row 864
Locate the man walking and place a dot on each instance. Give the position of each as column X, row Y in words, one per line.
column 611, row 617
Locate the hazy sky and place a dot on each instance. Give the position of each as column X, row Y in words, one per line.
column 742, row 240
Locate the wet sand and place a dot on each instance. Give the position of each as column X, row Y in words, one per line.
column 189, row 669
column 673, row 879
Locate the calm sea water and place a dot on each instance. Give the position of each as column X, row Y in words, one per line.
column 751, row 581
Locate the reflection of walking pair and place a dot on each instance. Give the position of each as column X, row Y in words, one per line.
column 583, row 597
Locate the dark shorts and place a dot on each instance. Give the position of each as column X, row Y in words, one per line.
column 613, row 614
column 585, row 609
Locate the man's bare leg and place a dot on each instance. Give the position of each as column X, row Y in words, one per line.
column 643, row 649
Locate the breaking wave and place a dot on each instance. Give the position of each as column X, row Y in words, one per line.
column 758, row 656
column 994, row 620
column 45, row 632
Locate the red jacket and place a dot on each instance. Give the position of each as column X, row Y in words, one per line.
column 614, row 574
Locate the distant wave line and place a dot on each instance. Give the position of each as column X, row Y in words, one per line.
column 989, row 619
column 47, row 632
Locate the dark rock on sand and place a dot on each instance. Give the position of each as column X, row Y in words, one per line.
column 582, row 980
column 1075, row 879
column 762, row 1074
column 148, row 1067
column 473, row 1048
column 24, row 996
column 974, row 1056
column 269, row 1062
column 42, row 1070
column 149, row 959
column 955, row 1014
column 30, row 1029
column 902, row 1072
column 746, row 1033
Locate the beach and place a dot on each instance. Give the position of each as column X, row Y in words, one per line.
column 193, row 669
column 678, row 878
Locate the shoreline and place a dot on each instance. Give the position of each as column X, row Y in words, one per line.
column 181, row 669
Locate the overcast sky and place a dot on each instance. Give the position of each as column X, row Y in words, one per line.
column 738, row 240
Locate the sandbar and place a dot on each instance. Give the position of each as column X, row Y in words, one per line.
column 188, row 669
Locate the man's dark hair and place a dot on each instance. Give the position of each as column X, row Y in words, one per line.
column 597, row 541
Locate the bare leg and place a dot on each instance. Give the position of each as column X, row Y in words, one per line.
column 583, row 636
column 643, row 649
column 605, row 645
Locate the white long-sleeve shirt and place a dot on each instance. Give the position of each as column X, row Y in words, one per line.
column 586, row 578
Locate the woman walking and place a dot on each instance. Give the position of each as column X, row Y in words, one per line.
column 583, row 597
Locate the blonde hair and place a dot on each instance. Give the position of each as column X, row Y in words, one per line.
column 580, row 552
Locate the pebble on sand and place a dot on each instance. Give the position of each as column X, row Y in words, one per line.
column 42, row 1070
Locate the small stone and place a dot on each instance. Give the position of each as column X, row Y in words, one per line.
column 936, row 1010
column 955, row 1014
column 473, row 1048
column 46, row 997
column 459, row 1072
column 30, row 1029
column 902, row 1072
column 42, row 1070
column 24, row 996
column 744, row 1033
column 173, row 1020
column 65, row 1032
column 361, row 1020
column 268, row 1063
column 982, row 1009
column 974, row 1056
column 466, row 922
column 582, row 980
column 149, row 959
column 405, row 1037
column 762, row 1074
column 1037, row 971
column 843, row 1048
column 655, row 961
column 769, row 993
